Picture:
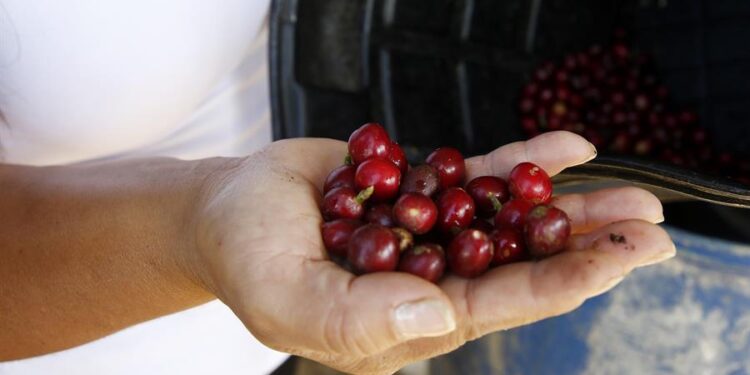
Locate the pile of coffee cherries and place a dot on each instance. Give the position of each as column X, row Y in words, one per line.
column 612, row 96
column 384, row 215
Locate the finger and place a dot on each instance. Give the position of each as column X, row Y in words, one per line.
column 380, row 310
column 553, row 151
column 627, row 240
column 313, row 158
column 526, row 292
column 333, row 313
column 522, row 293
column 593, row 210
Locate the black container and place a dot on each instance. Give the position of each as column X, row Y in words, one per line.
column 449, row 72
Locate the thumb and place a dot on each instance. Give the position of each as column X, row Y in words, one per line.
column 382, row 310
column 361, row 316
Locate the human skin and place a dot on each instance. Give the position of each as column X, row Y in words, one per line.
column 89, row 249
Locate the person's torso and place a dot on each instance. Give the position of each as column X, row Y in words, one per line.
column 85, row 79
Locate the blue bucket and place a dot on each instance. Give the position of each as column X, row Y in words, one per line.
column 689, row 315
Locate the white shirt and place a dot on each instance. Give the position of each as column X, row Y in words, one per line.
column 98, row 79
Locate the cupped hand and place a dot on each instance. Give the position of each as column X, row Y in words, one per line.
column 261, row 252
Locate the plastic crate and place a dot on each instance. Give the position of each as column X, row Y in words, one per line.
column 449, row 71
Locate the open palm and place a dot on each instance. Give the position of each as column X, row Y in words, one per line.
column 263, row 255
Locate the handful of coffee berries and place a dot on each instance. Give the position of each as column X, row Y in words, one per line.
column 383, row 215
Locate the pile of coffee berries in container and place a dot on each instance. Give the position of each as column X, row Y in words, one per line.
column 381, row 214
column 612, row 96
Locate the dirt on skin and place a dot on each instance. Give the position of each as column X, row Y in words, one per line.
column 620, row 239
column 617, row 238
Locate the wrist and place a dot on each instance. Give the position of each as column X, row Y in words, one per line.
column 204, row 213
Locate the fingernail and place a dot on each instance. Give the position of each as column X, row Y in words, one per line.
column 658, row 258
column 593, row 154
column 424, row 318
column 610, row 284
column 593, row 151
column 660, row 220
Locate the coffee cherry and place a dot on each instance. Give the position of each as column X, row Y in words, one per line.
column 526, row 105
column 455, row 210
column 620, row 51
column 369, row 141
column 509, row 247
column 643, row 147
column 382, row 175
column 546, row 96
column 488, row 192
column 559, row 109
column 415, row 212
column 530, row 126
column 699, row 136
column 670, row 121
column 397, row 157
column 380, row 214
column 450, row 166
column 336, row 235
column 513, row 215
column 688, row 117
column 621, row 143
column 641, row 102
column 373, row 248
column 342, row 176
column 530, row 89
column 426, row 261
column 530, row 182
column 469, row 253
column 422, row 179
column 345, row 203
column 547, row 230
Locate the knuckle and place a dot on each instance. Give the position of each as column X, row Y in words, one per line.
column 345, row 334
column 333, row 331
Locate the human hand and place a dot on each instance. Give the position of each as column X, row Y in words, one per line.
column 261, row 252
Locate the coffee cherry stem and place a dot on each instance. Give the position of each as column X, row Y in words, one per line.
column 405, row 238
column 364, row 195
column 348, row 160
column 495, row 202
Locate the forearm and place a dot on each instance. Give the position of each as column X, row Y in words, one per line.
column 87, row 250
